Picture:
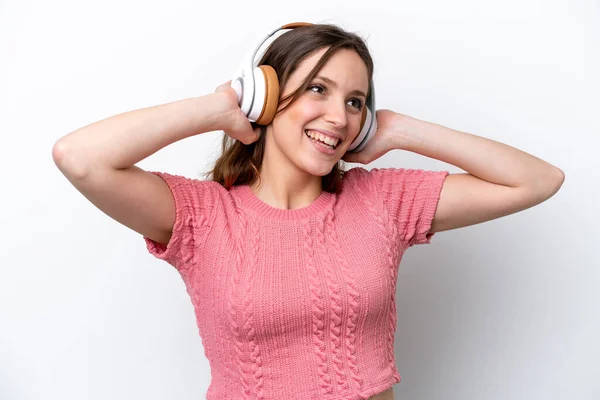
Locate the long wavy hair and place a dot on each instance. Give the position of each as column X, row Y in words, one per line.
column 239, row 163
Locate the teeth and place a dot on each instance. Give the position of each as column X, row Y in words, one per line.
column 325, row 139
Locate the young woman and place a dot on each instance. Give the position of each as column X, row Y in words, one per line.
column 289, row 261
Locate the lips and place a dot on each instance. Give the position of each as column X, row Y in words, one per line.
column 323, row 138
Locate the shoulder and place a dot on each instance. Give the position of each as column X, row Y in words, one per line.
column 194, row 192
column 362, row 177
column 358, row 173
column 360, row 183
column 189, row 183
column 394, row 183
column 387, row 175
column 355, row 175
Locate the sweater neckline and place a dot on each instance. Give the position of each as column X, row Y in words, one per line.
column 255, row 204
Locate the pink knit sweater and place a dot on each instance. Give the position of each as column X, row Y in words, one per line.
column 299, row 304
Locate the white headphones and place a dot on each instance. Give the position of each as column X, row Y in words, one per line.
column 257, row 89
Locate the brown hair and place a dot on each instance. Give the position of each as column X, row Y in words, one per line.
column 240, row 164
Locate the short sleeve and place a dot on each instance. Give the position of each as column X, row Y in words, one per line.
column 411, row 198
column 194, row 203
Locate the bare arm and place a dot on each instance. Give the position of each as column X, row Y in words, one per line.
column 500, row 179
column 99, row 159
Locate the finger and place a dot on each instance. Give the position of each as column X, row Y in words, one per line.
column 244, row 139
column 250, row 137
column 223, row 86
column 253, row 136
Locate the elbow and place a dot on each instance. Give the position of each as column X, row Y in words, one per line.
column 559, row 179
column 67, row 161
column 553, row 182
column 58, row 153
column 544, row 185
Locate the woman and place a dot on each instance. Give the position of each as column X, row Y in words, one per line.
column 289, row 261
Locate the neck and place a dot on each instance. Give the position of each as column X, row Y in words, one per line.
column 282, row 184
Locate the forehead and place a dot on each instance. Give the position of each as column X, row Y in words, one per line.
column 345, row 67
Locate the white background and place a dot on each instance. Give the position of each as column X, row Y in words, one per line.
column 508, row 309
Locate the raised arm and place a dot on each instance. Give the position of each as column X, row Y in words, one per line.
column 499, row 179
column 99, row 159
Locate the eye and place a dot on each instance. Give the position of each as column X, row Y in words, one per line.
column 317, row 86
column 357, row 103
column 320, row 88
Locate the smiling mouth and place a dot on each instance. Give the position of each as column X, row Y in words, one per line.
column 332, row 143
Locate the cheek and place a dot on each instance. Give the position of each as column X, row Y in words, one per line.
column 292, row 121
column 355, row 130
column 303, row 112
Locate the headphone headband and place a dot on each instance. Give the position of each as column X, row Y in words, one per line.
column 292, row 25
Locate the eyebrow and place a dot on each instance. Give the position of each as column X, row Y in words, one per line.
column 334, row 84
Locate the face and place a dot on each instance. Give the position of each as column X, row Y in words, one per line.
column 329, row 110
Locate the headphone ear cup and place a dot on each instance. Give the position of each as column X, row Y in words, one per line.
column 271, row 101
column 368, row 126
column 363, row 118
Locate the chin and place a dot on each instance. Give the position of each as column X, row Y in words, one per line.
column 315, row 164
column 319, row 168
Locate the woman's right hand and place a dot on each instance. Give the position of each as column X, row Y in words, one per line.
column 235, row 124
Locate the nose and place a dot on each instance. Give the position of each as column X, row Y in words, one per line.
column 335, row 113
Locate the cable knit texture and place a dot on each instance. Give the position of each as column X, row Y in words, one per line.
column 299, row 304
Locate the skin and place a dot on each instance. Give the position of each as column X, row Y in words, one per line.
column 499, row 180
column 292, row 168
column 100, row 159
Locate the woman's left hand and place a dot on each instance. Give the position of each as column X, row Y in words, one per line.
column 380, row 143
